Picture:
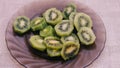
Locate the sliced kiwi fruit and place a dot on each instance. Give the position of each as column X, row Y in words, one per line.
column 55, row 32
column 53, row 42
column 53, row 52
column 86, row 36
column 21, row 25
column 69, row 50
column 64, row 28
column 68, row 10
column 71, row 37
column 53, row 16
column 38, row 23
column 36, row 42
column 47, row 31
column 72, row 16
column 82, row 20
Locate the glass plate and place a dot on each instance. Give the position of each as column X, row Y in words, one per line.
column 19, row 49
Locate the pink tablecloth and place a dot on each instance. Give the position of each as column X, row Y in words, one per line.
column 108, row 10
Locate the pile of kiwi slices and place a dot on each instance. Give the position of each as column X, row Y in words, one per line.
column 60, row 32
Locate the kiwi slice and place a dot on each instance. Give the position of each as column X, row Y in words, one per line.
column 47, row 31
column 71, row 37
column 21, row 25
column 53, row 42
column 72, row 16
column 53, row 16
column 68, row 10
column 82, row 20
column 53, row 52
column 38, row 23
column 69, row 50
column 86, row 36
column 64, row 28
column 36, row 42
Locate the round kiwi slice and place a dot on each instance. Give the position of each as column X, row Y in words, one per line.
column 38, row 23
column 21, row 25
column 36, row 42
column 64, row 28
column 82, row 20
column 47, row 31
column 71, row 37
column 68, row 10
column 69, row 50
column 53, row 52
column 53, row 42
column 86, row 36
column 53, row 16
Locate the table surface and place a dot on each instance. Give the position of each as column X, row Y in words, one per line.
column 108, row 10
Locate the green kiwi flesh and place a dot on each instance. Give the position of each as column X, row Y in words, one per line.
column 36, row 42
column 38, row 23
column 53, row 42
column 72, row 16
column 57, row 33
column 47, row 31
column 82, row 20
column 70, row 49
column 68, row 10
column 86, row 36
column 21, row 25
column 64, row 28
column 53, row 16
column 71, row 37
column 53, row 52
